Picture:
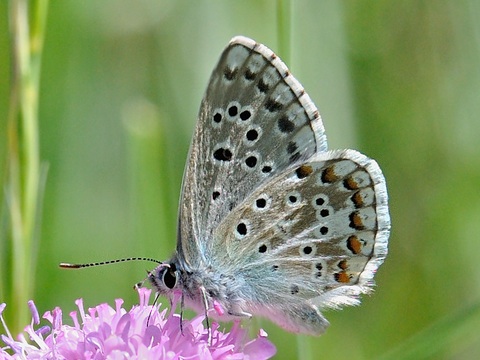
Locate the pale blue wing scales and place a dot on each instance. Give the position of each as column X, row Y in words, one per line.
column 255, row 121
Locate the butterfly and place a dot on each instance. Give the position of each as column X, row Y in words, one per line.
column 271, row 223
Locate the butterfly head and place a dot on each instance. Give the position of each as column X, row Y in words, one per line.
column 164, row 278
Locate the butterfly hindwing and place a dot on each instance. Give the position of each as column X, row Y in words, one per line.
column 317, row 231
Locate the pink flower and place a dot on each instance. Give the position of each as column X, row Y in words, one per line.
column 141, row 333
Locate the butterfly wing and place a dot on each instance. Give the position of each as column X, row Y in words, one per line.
column 312, row 237
column 290, row 226
column 255, row 121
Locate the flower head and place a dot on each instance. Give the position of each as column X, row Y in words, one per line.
column 144, row 332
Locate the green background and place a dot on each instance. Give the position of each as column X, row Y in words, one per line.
column 398, row 80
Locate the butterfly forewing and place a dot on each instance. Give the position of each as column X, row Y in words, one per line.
column 255, row 121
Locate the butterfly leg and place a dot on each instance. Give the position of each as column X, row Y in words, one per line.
column 153, row 306
column 205, row 306
column 182, row 305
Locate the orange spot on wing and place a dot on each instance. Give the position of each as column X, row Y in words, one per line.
column 356, row 221
column 328, row 175
column 357, row 200
column 303, row 171
column 354, row 245
column 342, row 277
column 350, row 183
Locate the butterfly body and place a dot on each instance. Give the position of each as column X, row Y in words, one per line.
column 271, row 223
column 237, row 298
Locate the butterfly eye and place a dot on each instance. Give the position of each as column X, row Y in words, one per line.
column 169, row 278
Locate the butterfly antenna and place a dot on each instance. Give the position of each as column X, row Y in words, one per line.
column 79, row 266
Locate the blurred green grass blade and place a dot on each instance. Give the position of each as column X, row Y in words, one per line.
column 455, row 331
column 284, row 29
column 304, row 347
column 152, row 215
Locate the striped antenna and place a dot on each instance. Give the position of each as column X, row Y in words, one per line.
column 79, row 266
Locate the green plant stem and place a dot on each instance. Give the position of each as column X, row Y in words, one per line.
column 284, row 31
column 23, row 179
